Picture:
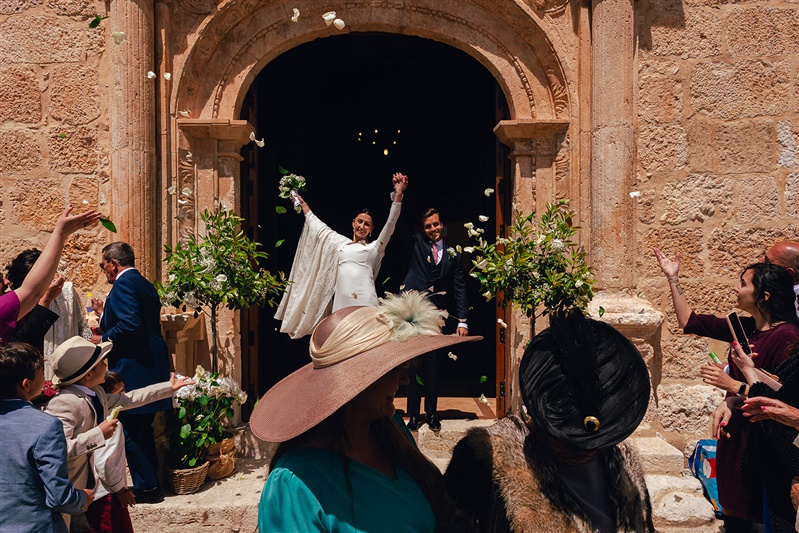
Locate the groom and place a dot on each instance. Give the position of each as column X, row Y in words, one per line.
column 438, row 270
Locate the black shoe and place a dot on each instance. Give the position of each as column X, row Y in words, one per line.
column 153, row 495
column 415, row 422
column 433, row 423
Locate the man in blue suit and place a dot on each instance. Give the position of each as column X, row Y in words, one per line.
column 131, row 319
column 437, row 269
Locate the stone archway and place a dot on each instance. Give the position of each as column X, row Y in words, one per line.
column 518, row 43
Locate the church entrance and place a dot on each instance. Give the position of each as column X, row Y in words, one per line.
column 347, row 112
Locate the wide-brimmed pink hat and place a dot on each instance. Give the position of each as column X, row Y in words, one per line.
column 350, row 350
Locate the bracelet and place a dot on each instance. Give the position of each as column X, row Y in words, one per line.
column 673, row 279
column 742, row 388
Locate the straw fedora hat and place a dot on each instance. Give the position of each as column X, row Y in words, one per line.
column 350, row 350
column 75, row 357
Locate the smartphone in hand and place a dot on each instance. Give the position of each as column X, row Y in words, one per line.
column 737, row 330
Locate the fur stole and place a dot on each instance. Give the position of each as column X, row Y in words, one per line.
column 509, row 483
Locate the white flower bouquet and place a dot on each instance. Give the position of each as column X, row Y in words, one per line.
column 289, row 186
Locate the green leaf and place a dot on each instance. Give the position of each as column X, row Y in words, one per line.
column 192, row 462
column 386, row 280
column 280, row 210
column 282, row 170
column 62, row 136
column 107, row 224
column 96, row 21
column 182, row 412
column 601, row 311
column 278, row 243
column 483, row 379
column 185, row 430
column 419, row 380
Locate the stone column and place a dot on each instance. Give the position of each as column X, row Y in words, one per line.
column 612, row 143
column 133, row 191
column 533, row 144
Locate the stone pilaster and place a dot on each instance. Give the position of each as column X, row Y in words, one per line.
column 132, row 108
column 612, row 143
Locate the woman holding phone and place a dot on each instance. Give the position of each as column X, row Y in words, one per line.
column 766, row 293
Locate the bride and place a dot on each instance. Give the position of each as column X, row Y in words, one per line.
column 331, row 267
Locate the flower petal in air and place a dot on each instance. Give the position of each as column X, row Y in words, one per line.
column 296, row 16
column 339, row 24
column 329, row 17
column 252, row 135
column 452, row 356
column 482, row 218
column 151, row 74
column 167, row 76
column 635, row 194
column 172, row 189
column 260, row 143
column 501, row 323
column 119, row 36
column 488, row 192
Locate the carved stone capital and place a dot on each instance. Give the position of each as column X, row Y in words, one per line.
column 512, row 132
column 237, row 131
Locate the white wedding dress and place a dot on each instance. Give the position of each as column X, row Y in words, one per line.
column 330, row 268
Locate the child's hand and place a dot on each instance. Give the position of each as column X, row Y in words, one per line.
column 108, row 427
column 180, row 382
column 126, row 497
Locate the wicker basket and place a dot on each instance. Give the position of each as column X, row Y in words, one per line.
column 187, row 480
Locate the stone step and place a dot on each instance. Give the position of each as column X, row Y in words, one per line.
column 438, row 445
column 658, row 456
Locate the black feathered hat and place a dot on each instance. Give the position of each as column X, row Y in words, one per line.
column 584, row 383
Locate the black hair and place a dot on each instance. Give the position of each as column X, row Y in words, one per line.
column 122, row 252
column 427, row 213
column 112, row 380
column 19, row 267
column 18, row 361
column 365, row 211
column 777, row 281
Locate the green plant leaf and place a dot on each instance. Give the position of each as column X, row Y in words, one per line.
column 185, row 430
column 62, row 136
column 386, row 280
column 278, row 243
column 280, row 210
column 419, row 380
column 107, row 224
column 192, row 462
column 182, row 412
column 282, row 170
column 483, row 379
column 601, row 311
column 96, row 21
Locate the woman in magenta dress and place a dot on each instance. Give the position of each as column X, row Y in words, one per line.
column 766, row 293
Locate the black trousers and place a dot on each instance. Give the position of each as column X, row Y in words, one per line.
column 140, row 449
column 427, row 367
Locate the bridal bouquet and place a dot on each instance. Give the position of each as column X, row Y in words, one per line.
column 289, row 186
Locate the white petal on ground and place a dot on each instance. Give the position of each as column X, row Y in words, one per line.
column 339, row 24
column 488, row 192
column 329, row 17
column 296, row 16
column 484, row 399
column 151, row 74
column 482, row 218
column 167, row 76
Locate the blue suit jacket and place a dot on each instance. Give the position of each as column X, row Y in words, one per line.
column 34, row 483
column 132, row 320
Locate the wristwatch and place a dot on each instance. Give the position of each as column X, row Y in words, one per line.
column 742, row 389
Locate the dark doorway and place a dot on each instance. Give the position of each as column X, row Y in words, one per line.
column 347, row 112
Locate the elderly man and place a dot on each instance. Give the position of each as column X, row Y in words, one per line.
column 786, row 255
column 131, row 319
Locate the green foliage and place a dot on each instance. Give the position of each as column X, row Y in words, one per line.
column 219, row 268
column 538, row 264
column 202, row 410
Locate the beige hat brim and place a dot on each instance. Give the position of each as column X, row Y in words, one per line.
column 309, row 395
column 105, row 347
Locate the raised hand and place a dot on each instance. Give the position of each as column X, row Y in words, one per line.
column 69, row 223
column 670, row 267
column 178, row 383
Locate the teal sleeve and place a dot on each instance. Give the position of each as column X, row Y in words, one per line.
column 288, row 505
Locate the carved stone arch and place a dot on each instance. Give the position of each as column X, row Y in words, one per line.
column 244, row 36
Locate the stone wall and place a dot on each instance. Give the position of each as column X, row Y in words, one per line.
column 717, row 169
column 54, row 139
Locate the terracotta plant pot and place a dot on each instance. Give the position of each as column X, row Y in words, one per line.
column 222, row 458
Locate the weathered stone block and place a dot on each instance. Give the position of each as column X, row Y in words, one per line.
column 658, row 456
column 684, row 355
column 788, row 140
column 20, row 98
column 730, row 250
column 745, row 89
column 41, row 39
column 659, row 98
column 81, row 254
column 74, row 94
column 763, row 31
column 646, row 206
column 19, row 151
column 73, row 149
column 84, row 189
column 10, row 7
column 745, row 146
column 73, row 7
column 37, row 203
column 762, row 205
column 662, row 147
column 687, row 408
column 683, row 509
column 686, row 241
column 696, row 198
column 792, row 195
column 701, row 143
column 689, row 33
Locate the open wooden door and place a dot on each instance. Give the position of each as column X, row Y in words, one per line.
column 503, row 219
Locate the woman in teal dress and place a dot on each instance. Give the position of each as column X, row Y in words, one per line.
column 345, row 464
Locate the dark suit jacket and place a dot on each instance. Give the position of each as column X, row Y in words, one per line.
column 132, row 320
column 34, row 326
column 449, row 278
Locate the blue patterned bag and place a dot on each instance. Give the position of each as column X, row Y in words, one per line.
column 703, row 466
